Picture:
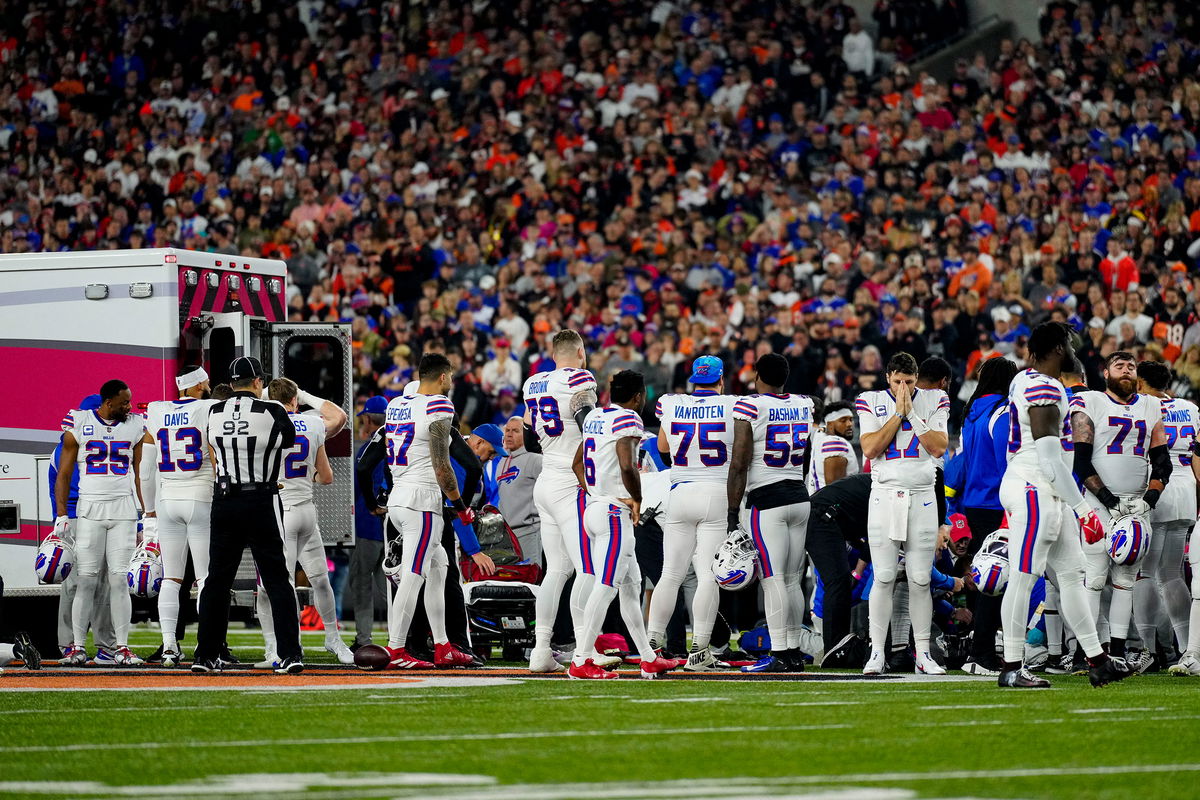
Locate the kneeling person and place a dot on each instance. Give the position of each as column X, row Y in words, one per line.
column 606, row 465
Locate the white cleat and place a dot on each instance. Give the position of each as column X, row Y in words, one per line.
column 541, row 660
column 124, row 657
column 1188, row 666
column 606, row 662
column 876, row 664
column 701, row 660
column 270, row 661
column 927, row 666
column 338, row 648
column 171, row 658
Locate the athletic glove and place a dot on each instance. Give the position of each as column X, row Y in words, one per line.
column 1135, row 506
column 734, row 520
column 1151, row 497
column 62, row 528
column 1093, row 528
column 149, row 530
column 1107, row 498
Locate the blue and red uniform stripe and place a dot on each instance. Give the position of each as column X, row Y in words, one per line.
column 585, row 543
column 580, row 378
column 625, row 424
column 614, row 546
column 747, row 409
column 1032, row 520
column 764, row 558
column 423, row 543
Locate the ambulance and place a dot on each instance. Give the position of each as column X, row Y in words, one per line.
column 71, row 321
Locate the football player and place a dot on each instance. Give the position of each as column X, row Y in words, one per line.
column 305, row 464
column 1160, row 584
column 556, row 403
column 178, row 512
column 1122, row 457
column 772, row 430
column 1045, row 511
column 903, row 432
column 606, row 465
column 832, row 456
column 417, row 432
column 695, row 437
column 107, row 444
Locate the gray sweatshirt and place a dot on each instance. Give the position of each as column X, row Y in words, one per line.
column 515, row 475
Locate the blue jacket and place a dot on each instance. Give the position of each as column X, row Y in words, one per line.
column 366, row 524
column 465, row 533
column 983, row 456
column 73, row 497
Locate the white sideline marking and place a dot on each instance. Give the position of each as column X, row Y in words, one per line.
column 1117, row 710
column 825, row 703
column 969, row 708
column 431, row 737
column 384, row 683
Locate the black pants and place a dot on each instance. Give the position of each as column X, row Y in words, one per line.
column 826, row 547
column 456, row 604
column 254, row 520
column 987, row 608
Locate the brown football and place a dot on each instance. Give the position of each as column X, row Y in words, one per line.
column 371, row 657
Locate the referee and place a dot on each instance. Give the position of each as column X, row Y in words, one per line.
column 249, row 436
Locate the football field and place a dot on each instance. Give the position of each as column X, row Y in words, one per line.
column 341, row 733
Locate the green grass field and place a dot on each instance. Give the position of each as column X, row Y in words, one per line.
column 546, row 738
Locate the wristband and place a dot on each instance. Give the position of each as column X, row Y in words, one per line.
column 918, row 425
column 1107, row 498
column 458, row 505
column 1151, row 497
column 1083, row 509
column 734, row 519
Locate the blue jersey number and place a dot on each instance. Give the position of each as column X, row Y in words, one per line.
column 717, row 454
column 1124, row 425
column 785, row 444
column 1174, row 432
column 399, row 438
column 589, row 466
column 193, row 455
column 547, row 407
column 107, row 458
column 294, row 465
column 912, row 451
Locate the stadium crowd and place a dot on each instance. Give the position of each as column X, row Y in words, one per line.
column 668, row 179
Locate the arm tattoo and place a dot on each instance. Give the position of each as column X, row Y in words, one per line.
column 1082, row 428
column 439, row 453
column 581, row 404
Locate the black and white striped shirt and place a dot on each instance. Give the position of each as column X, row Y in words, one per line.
column 249, row 437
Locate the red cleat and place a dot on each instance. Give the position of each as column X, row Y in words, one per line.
column 659, row 666
column 400, row 659
column 589, row 671
column 446, row 656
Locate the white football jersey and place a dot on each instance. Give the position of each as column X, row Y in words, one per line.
column 548, row 411
column 782, row 425
column 1121, row 446
column 699, row 430
column 1031, row 388
column 414, row 484
column 300, row 463
column 827, row 445
column 1181, row 420
column 179, row 429
column 905, row 464
column 106, row 454
column 602, row 429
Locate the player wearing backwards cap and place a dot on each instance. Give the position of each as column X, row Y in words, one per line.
column 832, row 456
column 1046, row 510
column 1122, row 457
column 696, row 438
column 107, row 444
column 417, row 434
column 556, row 404
column 178, row 514
column 606, row 465
column 304, row 464
column 1160, row 583
column 903, row 432
column 771, row 439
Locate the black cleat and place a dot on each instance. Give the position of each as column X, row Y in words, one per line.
column 227, row 655
column 208, row 665
column 23, row 649
column 1109, row 671
column 901, row 660
column 849, row 653
column 156, row 657
column 1021, row 679
column 794, row 661
column 290, row 666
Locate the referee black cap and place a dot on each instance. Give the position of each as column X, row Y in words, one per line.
column 245, row 368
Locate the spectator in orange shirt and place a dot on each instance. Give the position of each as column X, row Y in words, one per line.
column 974, row 275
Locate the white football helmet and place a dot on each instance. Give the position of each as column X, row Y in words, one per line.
column 1127, row 540
column 54, row 560
column 735, row 565
column 145, row 575
column 989, row 568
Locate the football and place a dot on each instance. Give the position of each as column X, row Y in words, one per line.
column 371, row 657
